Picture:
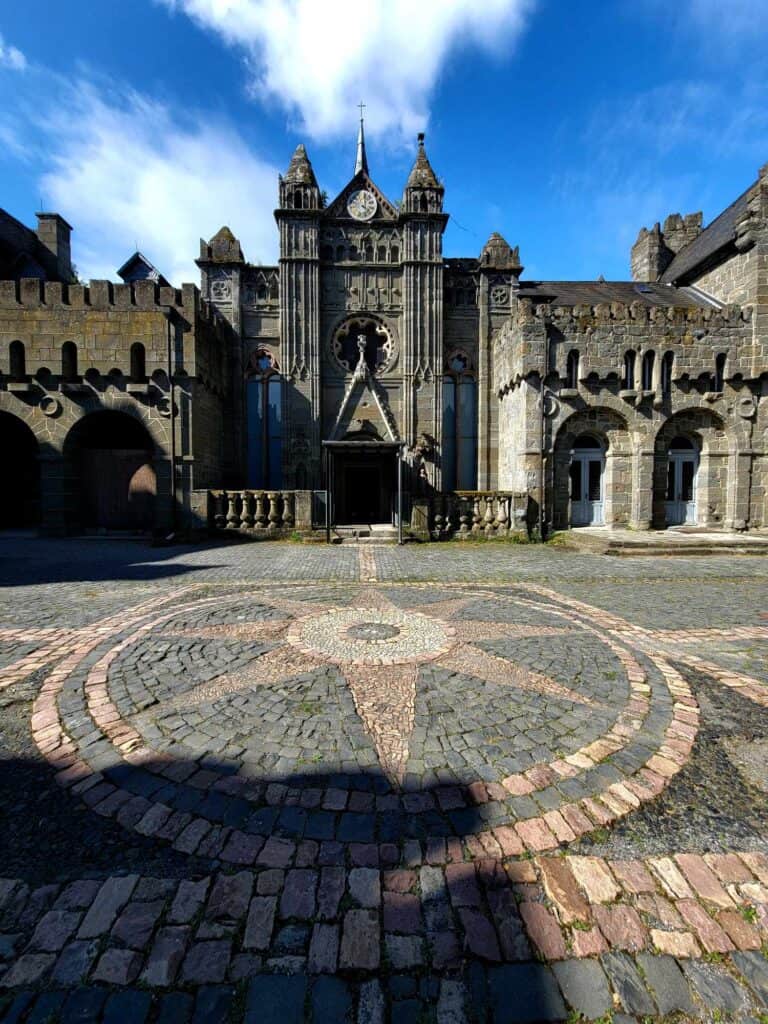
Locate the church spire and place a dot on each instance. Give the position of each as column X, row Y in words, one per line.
column 361, row 161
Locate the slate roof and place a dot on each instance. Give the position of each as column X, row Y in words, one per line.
column 573, row 293
column 719, row 235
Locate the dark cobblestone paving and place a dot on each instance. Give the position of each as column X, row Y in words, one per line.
column 442, row 784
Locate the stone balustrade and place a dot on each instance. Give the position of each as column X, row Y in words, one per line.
column 273, row 512
column 472, row 514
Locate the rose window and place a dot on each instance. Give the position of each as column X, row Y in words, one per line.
column 378, row 347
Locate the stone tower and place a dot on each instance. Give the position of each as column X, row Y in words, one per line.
column 423, row 224
column 298, row 221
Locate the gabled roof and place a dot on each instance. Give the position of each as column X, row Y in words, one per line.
column 590, row 293
column 717, row 236
column 139, row 268
column 338, row 208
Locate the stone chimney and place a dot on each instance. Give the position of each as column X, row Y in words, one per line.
column 656, row 247
column 54, row 233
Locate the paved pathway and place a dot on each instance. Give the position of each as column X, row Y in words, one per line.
column 442, row 783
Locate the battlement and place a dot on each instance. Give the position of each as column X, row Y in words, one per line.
column 31, row 293
column 582, row 316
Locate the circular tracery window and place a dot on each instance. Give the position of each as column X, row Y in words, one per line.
column 363, row 333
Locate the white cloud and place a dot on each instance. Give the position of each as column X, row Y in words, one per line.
column 125, row 171
column 319, row 58
column 11, row 58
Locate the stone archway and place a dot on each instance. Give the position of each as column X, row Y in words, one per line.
column 112, row 472
column 610, row 432
column 20, row 506
column 705, row 432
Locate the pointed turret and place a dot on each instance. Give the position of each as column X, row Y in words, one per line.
column 422, row 175
column 423, row 192
column 498, row 254
column 222, row 248
column 300, row 168
column 361, row 160
column 298, row 187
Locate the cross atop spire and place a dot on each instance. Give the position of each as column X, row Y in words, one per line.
column 361, row 161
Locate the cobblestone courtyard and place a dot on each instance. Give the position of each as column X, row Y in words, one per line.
column 273, row 782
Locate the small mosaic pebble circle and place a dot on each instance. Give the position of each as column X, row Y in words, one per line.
column 369, row 636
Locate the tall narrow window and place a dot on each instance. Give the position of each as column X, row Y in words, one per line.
column 17, row 361
column 138, row 363
column 265, row 421
column 719, row 372
column 572, row 370
column 667, row 366
column 628, row 381
column 648, row 360
column 459, row 425
column 69, row 361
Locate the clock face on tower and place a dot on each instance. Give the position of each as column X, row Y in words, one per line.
column 362, row 204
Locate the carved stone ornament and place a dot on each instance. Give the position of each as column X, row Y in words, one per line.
column 499, row 295
column 221, row 288
column 50, row 405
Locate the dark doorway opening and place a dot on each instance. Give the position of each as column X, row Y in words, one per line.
column 362, row 480
column 113, row 474
column 20, row 506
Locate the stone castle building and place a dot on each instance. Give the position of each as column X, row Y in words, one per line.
column 367, row 379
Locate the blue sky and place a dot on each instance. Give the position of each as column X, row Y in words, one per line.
column 564, row 125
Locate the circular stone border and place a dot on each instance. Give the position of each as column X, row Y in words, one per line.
column 536, row 833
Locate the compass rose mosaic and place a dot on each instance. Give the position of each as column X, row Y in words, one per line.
column 366, row 713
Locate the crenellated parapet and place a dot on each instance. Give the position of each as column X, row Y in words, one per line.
column 31, row 293
column 599, row 338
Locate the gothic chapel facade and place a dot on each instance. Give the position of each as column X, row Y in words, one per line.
column 367, row 379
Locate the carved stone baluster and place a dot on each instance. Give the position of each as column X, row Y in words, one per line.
column 489, row 516
column 247, row 514
column 261, row 511
column 502, row 518
column 289, row 510
column 220, row 515
column 464, row 517
column 437, row 521
column 274, row 510
column 476, row 516
column 233, row 518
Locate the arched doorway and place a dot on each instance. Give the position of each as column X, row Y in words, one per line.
column 111, row 458
column 20, row 506
column 586, row 476
column 682, row 470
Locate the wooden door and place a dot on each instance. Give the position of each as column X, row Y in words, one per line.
column 118, row 489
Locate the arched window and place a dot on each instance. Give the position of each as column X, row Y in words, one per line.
column 628, row 381
column 382, row 254
column 394, row 253
column 667, row 366
column 265, row 419
column 369, row 252
column 719, row 378
column 69, row 361
column 649, row 358
column 17, row 361
column 572, row 370
column 459, row 425
column 138, row 363
column 298, row 199
column 339, row 253
column 423, row 203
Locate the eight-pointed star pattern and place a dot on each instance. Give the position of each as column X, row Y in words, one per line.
column 378, row 647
